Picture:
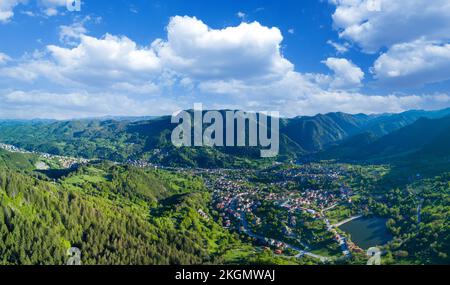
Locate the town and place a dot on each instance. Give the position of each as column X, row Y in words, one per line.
column 244, row 203
column 63, row 162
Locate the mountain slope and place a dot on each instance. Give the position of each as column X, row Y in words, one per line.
column 113, row 214
column 315, row 133
column 385, row 124
column 124, row 140
column 425, row 137
column 322, row 131
column 149, row 140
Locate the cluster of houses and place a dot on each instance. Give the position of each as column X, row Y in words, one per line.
column 316, row 172
column 319, row 199
column 142, row 164
column 223, row 202
column 12, row 148
column 203, row 214
column 237, row 201
column 280, row 246
column 64, row 161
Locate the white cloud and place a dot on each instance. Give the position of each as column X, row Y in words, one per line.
column 7, row 9
column 248, row 51
column 340, row 48
column 51, row 7
column 4, row 58
column 414, row 64
column 48, row 7
column 30, row 70
column 51, row 12
column 396, row 22
column 72, row 33
column 346, row 74
column 241, row 15
column 143, row 88
column 29, row 13
column 50, row 105
column 109, row 58
column 415, row 33
column 236, row 67
column 107, row 63
column 296, row 94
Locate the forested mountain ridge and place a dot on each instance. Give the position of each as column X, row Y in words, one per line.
column 322, row 131
column 423, row 137
column 149, row 140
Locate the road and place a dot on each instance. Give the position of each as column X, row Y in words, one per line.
column 347, row 220
column 329, row 208
column 419, row 209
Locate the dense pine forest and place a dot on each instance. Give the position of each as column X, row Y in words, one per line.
column 111, row 213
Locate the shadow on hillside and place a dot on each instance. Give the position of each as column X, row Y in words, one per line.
column 406, row 172
column 56, row 173
column 167, row 204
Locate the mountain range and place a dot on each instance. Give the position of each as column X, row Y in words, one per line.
column 337, row 136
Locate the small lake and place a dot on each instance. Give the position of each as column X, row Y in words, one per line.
column 368, row 232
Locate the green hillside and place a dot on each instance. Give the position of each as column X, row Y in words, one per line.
column 17, row 161
column 105, row 213
column 334, row 135
column 425, row 137
column 315, row 133
column 115, row 215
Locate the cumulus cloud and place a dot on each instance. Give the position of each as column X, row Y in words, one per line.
column 7, row 9
column 110, row 58
column 346, row 74
column 297, row 94
column 415, row 33
column 395, row 22
column 236, row 67
column 248, row 51
column 415, row 63
column 94, row 61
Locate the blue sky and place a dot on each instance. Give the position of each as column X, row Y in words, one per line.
column 147, row 57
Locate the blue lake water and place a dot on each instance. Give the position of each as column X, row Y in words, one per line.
column 368, row 232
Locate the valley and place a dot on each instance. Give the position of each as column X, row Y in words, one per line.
column 119, row 192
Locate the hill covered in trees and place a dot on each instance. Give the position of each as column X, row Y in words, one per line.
column 149, row 140
column 106, row 213
column 115, row 214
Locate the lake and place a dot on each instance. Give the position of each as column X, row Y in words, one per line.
column 368, row 232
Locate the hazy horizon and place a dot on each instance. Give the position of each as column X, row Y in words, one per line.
column 125, row 117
